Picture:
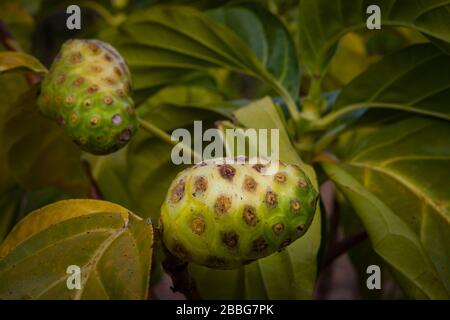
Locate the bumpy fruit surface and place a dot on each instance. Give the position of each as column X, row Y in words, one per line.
column 226, row 215
column 88, row 92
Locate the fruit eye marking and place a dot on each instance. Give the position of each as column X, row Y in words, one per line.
column 198, row 225
column 116, row 119
column 227, row 171
column 249, row 216
column 69, row 100
column 78, row 82
column 201, row 184
column 258, row 167
column 92, row 88
column 302, row 184
column 295, row 206
column 280, row 177
column 278, row 228
column 107, row 100
column 87, row 103
column 60, row 80
column 271, row 199
column 177, row 192
column 259, row 245
column 94, row 121
column 249, row 184
column 230, row 239
column 222, row 205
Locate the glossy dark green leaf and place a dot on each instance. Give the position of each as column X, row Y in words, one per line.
column 79, row 233
column 289, row 274
column 160, row 42
column 323, row 22
column 392, row 238
column 406, row 166
column 268, row 38
column 415, row 79
column 37, row 151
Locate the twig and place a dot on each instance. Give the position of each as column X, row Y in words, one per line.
column 10, row 43
column 181, row 279
column 164, row 136
column 94, row 189
column 344, row 246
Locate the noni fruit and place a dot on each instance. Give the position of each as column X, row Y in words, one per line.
column 88, row 92
column 227, row 215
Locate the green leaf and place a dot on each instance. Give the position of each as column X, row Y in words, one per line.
column 415, row 79
column 77, row 233
column 37, row 151
column 289, row 274
column 406, row 165
column 17, row 17
column 391, row 238
column 323, row 22
column 19, row 61
column 9, row 203
column 267, row 37
column 160, row 42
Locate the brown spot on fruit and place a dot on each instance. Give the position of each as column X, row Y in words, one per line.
column 249, row 184
column 96, row 69
column 60, row 80
column 284, row 244
column 258, row 167
column 78, row 81
column 295, row 206
column 94, row 121
column 75, row 58
column 249, row 216
column 177, row 192
column 120, row 92
column 302, row 184
column 87, row 103
column 74, row 118
column 271, row 199
column 215, row 262
column 259, row 245
column 130, row 111
column 93, row 47
column 200, row 184
column 107, row 100
column 117, row 72
column 125, row 134
column 222, row 205
column 227, row 171
column 69, row 100
column 230, row 239
column 92, row 89
column 278, row 228
column 108, row 57
column 110, row 81
column 300, row 229
column 280, row 177
column 198, row 225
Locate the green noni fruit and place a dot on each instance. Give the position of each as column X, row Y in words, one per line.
column 88, row 92
column 226, row 215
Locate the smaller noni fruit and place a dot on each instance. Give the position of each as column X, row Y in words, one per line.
column 226, row 215
column 88, row 92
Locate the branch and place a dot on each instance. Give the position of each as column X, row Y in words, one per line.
column 181, row 279
column 94, row 191
column 11, row 44
column 344, row 246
